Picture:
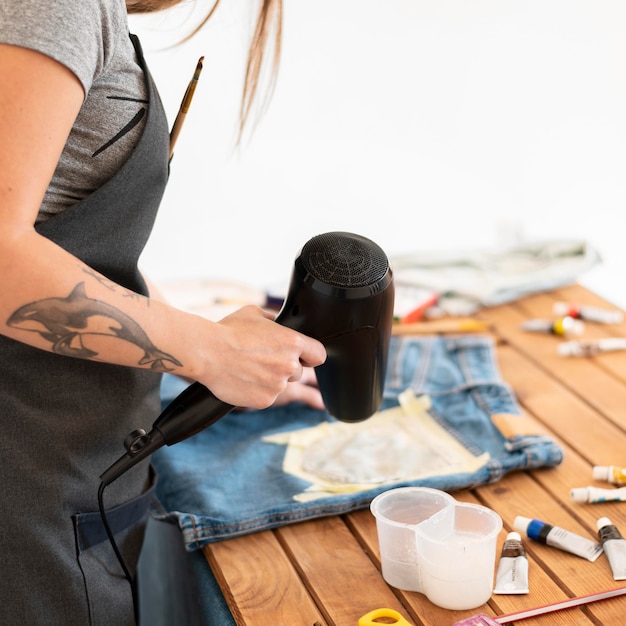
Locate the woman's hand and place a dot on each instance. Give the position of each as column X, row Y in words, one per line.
column 305, row 391
column 251, row 361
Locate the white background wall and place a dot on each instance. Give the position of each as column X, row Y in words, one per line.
column 422, row 124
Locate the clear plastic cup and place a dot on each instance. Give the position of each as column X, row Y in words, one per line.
column 433, row 544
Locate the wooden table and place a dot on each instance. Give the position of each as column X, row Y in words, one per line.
column 327, row 571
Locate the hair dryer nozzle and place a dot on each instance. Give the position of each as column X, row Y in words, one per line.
column 342, row 294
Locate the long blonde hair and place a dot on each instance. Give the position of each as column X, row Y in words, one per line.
column 267, row 36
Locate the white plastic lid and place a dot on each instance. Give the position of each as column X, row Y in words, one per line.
column 521, row 523
column 572, row 326
column 601, row 472
column 602, row 522
column 579, row 494
column 568, row 348
column 513, row 536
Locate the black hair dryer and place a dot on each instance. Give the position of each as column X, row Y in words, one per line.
column 342, row 294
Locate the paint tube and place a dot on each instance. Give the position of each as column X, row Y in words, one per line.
column 610, row 474
column 614, row 546
column 589, row 313
column 597, row 494
column 558, row 538
column 512, row 574
column 591, row 347
column 563, row 326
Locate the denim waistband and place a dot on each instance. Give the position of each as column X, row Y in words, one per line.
column 227, row 481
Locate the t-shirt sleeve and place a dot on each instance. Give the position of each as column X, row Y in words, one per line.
column 79, row 34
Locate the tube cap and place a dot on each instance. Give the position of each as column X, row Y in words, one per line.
column 579, row 494
column 513, row 536
column 567, row 349
column 522, row 523
column 602, row 522
column 570, row 326
column 601, row 472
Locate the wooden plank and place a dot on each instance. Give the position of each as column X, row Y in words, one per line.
column 613, row 362
column 590, row 386
column 569, row 421
column 561, row 411
column 589, row 377
column 337, row 571
column 259, row 583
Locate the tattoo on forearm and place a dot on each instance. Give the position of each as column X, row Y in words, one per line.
column 112, row 286
column 67, row 323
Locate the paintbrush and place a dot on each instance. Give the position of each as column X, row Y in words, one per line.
column 184, row 106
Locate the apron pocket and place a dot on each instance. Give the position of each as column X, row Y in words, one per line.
column 108, row 592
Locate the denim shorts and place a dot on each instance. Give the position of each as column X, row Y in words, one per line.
column 226, row 481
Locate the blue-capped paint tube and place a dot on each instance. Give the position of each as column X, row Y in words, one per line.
column 558, row 538
column 614, row 547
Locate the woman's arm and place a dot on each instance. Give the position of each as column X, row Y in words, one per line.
column 53, row 301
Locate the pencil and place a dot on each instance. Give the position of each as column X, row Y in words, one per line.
column 184, row 106
column 463, row 325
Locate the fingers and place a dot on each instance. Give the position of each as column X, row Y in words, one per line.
column 309, row 377
column 302, row 393
column 313, row 353
column 259, row 359
column 297, row 373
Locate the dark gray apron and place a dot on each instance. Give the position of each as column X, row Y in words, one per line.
column 64, row 421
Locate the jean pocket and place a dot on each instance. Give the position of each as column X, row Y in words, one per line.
column 108, row 593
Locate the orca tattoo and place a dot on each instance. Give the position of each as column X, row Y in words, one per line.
column 67, row 323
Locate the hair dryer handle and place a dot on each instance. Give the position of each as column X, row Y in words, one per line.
column 193, row 410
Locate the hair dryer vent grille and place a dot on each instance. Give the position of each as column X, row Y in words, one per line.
column 344, row 260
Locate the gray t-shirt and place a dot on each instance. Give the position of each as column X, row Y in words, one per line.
column 90, row 37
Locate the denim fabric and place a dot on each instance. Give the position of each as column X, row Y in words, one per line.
column 225, row 481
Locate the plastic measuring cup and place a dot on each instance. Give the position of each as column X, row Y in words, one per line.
column 431, row 543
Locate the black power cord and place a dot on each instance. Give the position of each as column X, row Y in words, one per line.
column 131, row 581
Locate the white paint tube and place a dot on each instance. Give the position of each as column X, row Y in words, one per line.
column 614, row 546
column 598, row 494
column 589, row 313
column 512, row 574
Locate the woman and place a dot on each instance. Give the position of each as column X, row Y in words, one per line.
column 83, row 165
